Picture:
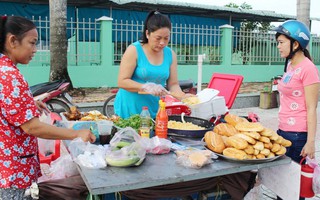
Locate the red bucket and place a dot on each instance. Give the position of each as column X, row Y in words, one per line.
column 306, row 180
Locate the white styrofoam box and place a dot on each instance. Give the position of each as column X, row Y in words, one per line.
column 212, row 108
column 207, row 94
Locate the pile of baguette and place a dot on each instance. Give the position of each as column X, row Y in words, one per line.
column 244, row 140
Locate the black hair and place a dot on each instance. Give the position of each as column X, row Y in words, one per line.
column 292, row 52
column 15, row 25
column 154, row 21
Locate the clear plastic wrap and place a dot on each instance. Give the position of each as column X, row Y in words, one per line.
column 156, row 145
column 124, row 137
column 194, row 158
column 131, row 155
column 316, row 174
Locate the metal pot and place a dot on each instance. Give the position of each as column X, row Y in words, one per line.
column 190, row 133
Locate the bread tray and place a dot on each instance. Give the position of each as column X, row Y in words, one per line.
column 262, row 160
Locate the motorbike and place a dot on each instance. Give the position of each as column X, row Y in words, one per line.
column 54, row 94
column 187, row 86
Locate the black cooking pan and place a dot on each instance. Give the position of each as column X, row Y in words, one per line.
column 190, row 133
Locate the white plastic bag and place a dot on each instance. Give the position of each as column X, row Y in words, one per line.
column 87, row 154
column 313, row 163
column 316, row 180
column 62, row 167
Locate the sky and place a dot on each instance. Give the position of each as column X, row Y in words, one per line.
column 288, row 7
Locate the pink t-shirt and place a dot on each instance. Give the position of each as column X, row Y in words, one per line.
column 292, row 111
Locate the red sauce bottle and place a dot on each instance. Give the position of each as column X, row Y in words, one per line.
column 161, row 127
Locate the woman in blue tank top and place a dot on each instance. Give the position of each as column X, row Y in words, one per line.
column 147, row 65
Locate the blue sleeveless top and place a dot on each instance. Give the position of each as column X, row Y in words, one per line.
column 130, row 103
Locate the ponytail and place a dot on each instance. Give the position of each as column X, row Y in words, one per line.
column 154, row 21
column 307, row 54
column 15, row 25
column 3, row 34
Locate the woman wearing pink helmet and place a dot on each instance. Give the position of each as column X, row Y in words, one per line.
column 298, row 89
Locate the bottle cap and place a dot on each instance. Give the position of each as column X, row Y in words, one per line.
column 145, row 108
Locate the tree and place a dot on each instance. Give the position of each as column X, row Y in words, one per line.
column 250, row 25
column 58, row 40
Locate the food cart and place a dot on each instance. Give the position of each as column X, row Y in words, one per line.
column 116, row 179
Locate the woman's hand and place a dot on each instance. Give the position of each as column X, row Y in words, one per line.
column 308, row 150
column 187, row 95
column 154, row 89
column 86, row 135
column 41, row 106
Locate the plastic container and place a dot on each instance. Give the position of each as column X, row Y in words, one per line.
column 144, row 129
column 306, row 190
column 228, row 86
column 104, row 129
column 161, row 126
column 49, row 150
column 212, row 108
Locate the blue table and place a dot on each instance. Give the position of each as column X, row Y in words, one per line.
column 160, row 170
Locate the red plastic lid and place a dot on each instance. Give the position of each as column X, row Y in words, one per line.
column 145, row 108
column 228, row 85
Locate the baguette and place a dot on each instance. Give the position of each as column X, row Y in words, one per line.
column 252, row 134
column 249, row 126
column 236, row 142
column 214, row 141
column 225, row 129
column 235, row 153
column 234, row 119
column 246, row 138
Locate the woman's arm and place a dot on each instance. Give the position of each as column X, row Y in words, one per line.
column 311, row 96
column 127, row 66
column 173, row 82
column 39, row 129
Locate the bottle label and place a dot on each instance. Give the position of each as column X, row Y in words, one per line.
column 145, row 132
column 161, row 129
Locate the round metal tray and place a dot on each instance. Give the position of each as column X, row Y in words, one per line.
column 262, row 160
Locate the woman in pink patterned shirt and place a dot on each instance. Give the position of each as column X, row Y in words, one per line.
column 299, row 90
column 19, row 116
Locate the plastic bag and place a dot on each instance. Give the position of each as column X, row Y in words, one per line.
column 156, row 145
column 45, row 118
column 46, row 147
column 194, row 158
column 316, row 180
column 131, row 155
column 87, row 154
column 316, row 174
column 61, row 168
column 154, row 89
column 126, row 136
